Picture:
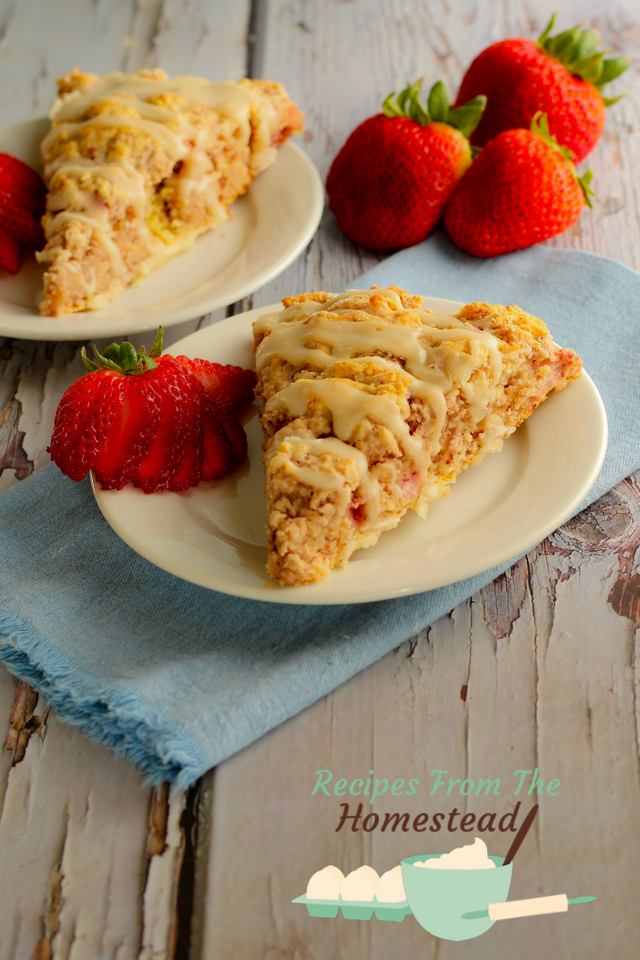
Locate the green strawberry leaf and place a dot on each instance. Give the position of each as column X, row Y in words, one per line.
column 589, row 69
column 609, row 101
column 547, row 30
column 540, row 126
column 128, row 357
column 466, row 118
column 124, row 358
column 577, row 50
column 584, row 182
column 156, row 347
column 438, row 103
column 112, row 352
column 89, row 365
column 390, row 109
column 407, row 104
column 586, row 45
column 105, row 363
column 612, row 69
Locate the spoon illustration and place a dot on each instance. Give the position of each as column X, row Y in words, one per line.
column 520, row 835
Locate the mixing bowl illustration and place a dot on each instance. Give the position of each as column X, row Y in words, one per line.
column 439, row 898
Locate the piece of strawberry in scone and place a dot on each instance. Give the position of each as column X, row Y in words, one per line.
column 373, row 406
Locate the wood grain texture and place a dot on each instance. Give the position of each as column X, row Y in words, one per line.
column 539, row 669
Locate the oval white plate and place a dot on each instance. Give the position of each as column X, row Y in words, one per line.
column 214, row 535
column 271, row 224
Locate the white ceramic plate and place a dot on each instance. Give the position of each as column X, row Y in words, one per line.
column 214, row 535
column 271, row 224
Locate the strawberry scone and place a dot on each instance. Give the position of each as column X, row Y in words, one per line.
column 373, row 405
column 138, row 165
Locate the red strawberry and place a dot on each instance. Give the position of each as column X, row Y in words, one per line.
column 218, row 454
column 148, row 421
column 237, row 436
column 562, row 76
column 180, row 407
column 521, row 189
column 84, row 417
column 389, row 183
column 20, row 173
column 19, row 221
column 131, row 434
column 10, row 252
column 231, row 387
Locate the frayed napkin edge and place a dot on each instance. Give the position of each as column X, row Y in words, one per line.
column 158, row 754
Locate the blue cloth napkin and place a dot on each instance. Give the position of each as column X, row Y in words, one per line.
column 176, row 677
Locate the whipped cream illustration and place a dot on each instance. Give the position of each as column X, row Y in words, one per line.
column 472, row 857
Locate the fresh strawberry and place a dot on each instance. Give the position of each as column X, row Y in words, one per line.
column 562, row 76
column 84, row 417
column 20, row 221
column 218, row 454
column 10, row 252
column 131, row 435
column 521, row 189
column 17, row 172
column 389, row 183
column 237, row 436
column 145, row 419
column 180, row 407
column 231, row 387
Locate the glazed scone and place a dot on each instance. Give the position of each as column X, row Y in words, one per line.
column 138, row 165
column 374, row 405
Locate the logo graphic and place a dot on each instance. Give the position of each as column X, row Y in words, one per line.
column 454, row 896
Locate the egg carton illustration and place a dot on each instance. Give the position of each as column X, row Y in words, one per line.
column 356, row 909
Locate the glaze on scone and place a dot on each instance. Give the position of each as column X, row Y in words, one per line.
column 138, row 165
column 374, row 405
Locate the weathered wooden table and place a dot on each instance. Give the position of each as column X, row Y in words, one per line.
column 539, row 670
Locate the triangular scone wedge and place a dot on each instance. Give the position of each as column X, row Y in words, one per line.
column 374, row 406
column 138, row 165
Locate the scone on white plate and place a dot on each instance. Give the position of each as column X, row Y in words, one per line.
column 374, row 405
column 138, row 165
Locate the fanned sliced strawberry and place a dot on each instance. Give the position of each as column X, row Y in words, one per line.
column 10, row 252
column 190, row 472
column 20, row 221
column 131, row 435
column 161, row 467
column 237, row 436
column 84, row 417
column 218, row 456
column 230, row 386
column 21, row 173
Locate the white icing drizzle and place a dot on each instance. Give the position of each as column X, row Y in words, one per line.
column 322, row 476
column 313, row 335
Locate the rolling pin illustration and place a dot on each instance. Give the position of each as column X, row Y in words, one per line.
column 526, row 908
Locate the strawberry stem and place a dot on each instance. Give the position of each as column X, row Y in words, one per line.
column 540, row 126
column 577, row 50
column 123, row 358
column 407, row 104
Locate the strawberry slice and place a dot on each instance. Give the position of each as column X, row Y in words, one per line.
column 13, row 169
column 162, row 466
column 231, row 387
column 132, row 433
column 218, row 455
column 237, row 436
column 84, row 417
column 20, row 221
column 190, row 472
column 10, row 252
